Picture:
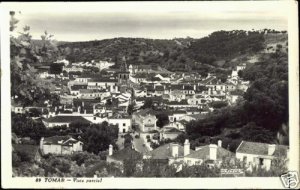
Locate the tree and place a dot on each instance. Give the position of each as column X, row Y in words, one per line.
column 199, row 171
column 99, row 136
column 218, row 104
column 162, row 119
column 128, row 140
column 148, row 103
column 56, row 68
column 26, row 87
column 252, row 132
column 24, row 126
column 130, row 109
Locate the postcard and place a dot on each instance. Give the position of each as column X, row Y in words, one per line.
column 183, row 94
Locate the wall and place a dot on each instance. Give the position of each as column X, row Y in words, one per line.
column 53, row 149
column 57, row 124
column 120, row 123
column 253, row 159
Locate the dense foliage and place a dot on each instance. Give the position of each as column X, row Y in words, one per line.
column 26, row 87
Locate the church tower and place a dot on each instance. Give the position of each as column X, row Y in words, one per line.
column 123, row 74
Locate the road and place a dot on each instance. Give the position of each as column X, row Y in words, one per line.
column 138, row 145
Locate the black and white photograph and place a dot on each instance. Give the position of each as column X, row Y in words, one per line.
column 121, row 92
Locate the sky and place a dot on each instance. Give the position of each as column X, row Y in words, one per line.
column 91, row 21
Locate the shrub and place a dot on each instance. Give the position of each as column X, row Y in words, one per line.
column 137, row 136
column 156, row 136
column 24, row 156
column 154, row 145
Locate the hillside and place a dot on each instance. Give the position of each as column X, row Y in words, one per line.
column 221, row 49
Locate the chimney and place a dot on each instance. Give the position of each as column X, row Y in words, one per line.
column 55, row 108
column 110, row 150
column 174, row 150
column 84, row 111
column 41, row 143
column 271, row 149
column 186, row 150
column 213, row 152
column 219, row 143
column 82, row 104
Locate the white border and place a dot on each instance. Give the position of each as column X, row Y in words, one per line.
column 174, row 183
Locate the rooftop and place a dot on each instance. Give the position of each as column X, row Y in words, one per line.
column 77, row 87
column 261, row 148
column 164, row 152
column 67, row 119
column 61, row 140
column 203, row 153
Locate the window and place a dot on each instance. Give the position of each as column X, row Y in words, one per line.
column 94, row 118
column 261, row 161
column 124, row 124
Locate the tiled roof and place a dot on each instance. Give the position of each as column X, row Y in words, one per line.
column 67, row 119
column 61, row 140
column 100, row 79
column 203, row 153
column 260, row 148
column 207, row 80
column 164, row 152
column 145, row 112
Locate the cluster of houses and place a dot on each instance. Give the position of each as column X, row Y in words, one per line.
column 183, row 97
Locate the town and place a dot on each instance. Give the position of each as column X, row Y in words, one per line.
column 150, row 106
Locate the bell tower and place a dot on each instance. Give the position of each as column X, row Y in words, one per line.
column 123, row 74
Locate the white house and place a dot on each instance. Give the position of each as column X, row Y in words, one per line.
column 60, row 145
column 145, row 120
column 260, row 154
column 211, row 154
column 123, row 122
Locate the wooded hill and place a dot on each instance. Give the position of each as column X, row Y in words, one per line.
column 218, row 50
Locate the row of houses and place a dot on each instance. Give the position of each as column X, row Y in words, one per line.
column 252, row 154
